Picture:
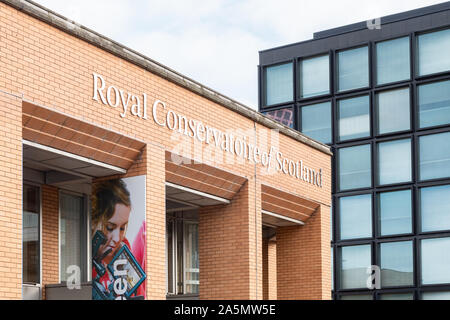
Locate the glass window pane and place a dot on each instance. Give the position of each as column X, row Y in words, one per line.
column 191, row 261
column 435, row 261
column 434, row 104
column 356, row 297
column 392, row 108
column 396, row 264
column 355, row 216
column 397, row 296
column 435, row 208
column 316, row 121
column 354, row 118
column 30, row 235
column 434, row 156
column 71, row 211
column 393, row 60
column 314, row 76
column 440, row 295
column 394, row 161
column 431, row 47
column 354, row 264
column 395, row 212
column 279, row 84
column 353, row 69
column 284, row 116
column 354, row 167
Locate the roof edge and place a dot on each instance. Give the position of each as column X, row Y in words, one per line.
column 68, row 26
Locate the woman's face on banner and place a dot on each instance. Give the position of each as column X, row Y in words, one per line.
column 115, row 230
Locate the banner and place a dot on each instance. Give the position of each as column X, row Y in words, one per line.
column 118, row 239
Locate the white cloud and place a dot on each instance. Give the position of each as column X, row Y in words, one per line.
column 216, row 42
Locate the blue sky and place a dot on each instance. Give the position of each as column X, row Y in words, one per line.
column 216, row 42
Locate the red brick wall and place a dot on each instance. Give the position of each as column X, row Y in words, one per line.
column 10, row 197
column 50, row 236
column 269, row 270
column 54, row 69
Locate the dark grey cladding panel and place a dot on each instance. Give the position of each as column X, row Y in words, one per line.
column 355, row 38
column 385, row 20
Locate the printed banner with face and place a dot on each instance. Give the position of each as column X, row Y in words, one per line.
column 118, row 239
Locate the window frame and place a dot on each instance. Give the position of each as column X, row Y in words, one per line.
column 298, row 73
column 264, row 83
column 299, row 108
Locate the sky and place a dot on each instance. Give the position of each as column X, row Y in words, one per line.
column 216, row 42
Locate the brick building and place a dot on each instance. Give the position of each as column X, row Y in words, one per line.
column 237, row 206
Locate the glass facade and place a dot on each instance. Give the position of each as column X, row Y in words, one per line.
column 393, row 111
column 314, row 76
column 434, row 104
column 31, row 235
column 393, row 61
column 390, row 136
column 284, row 116
column 316, row 121
column 279, row 83
column 354, row 118
column 353, row 69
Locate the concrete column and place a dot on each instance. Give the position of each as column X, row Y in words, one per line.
column 230, row 247
column 10, row 197
column 304, row 259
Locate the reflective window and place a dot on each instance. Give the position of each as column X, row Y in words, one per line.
column 435, row 208
column 434, row 156
column 279, row 84
column 435, row 261
column 353, row 69
column 354, row 262
column 396, row 259
column 395, row 212
column 354, row 167
column 356, row 297
column 438, row 295
column 31, row 235
column 434, row 104
column 355, row 215
column 397, row 296
column 393, row 60
column 314, row 76
column 394, row 161
column 392, row 109
column 431, row 47
column 354, row 118
column 316, row 121
column 284, row 116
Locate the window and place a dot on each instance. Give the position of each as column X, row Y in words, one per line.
column 31, row 238
column 439, row 295
column 435, row 261
column 356, row 297
column 182, row 253
column 316, row 121
column 435, row 208
column 314, row 76
column 354, row 167
column 355, row 216
column 431, row 47
column 72, row 235
column 397, row 296
column 396, row 262
column 393, row 60
column 279, row 81
column 394, row 161
column 353, row 69
column 434, row 156
column 354, row 262
column 354, row 118
column 394, row 212
column 434, row 104
column 284, row 116
column 392, row 109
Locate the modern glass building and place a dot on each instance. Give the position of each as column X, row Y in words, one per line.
column 379, row 95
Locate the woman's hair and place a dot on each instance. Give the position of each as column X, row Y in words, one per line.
column 105, row 195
